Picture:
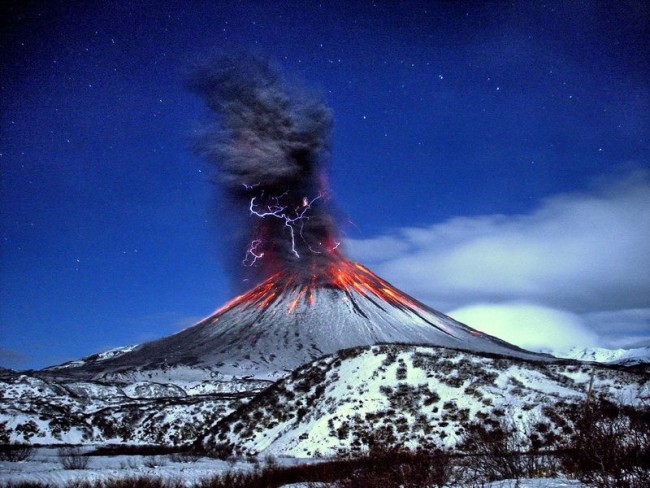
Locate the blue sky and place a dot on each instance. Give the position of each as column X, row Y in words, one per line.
column 493, row 160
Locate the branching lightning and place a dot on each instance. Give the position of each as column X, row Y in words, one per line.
column 252, row 254
column 289, row 216
column 270, row 142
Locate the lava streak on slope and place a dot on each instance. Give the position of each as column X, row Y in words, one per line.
column 340, row 274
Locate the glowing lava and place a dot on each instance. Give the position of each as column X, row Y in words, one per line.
column 339, row 274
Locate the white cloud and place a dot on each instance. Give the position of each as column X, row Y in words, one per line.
column 579, row 252
column 530, row 326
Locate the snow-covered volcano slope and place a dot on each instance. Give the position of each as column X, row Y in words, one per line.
column 287, row 321
column 414, row 396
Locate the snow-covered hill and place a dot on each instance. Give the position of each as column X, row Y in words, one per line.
column 411, row 396
column 360, row 388
column 46, row 411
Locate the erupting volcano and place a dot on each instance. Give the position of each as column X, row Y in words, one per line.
column 287, row 321
column 268, row 142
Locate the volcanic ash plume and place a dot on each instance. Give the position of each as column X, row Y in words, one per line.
column 269, row 141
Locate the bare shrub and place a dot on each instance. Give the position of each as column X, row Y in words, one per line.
column 610, row 445
column 495, row 453
column 392, row 468
column 270, row 461
column 16, row 452
column 81, row 484
column 139, row 482
column 72, row 458
column 185, row 457
column 221, row 450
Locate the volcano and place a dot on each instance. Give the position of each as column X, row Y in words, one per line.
column 287, row 321
column 269, row 142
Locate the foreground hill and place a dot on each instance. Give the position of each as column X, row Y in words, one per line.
column 414, row 396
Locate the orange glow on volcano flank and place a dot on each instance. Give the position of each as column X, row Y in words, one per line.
column 341, row 274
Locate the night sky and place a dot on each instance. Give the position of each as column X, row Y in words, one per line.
column 490, row 158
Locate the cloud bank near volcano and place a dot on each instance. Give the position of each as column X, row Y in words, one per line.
column 582, row 253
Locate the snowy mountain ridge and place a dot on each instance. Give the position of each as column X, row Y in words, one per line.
column 407, row 395
column 45, row 411
column 94, row 358
column 638, row 355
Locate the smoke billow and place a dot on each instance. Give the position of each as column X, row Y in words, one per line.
column 269, row 141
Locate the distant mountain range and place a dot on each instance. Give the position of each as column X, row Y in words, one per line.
column 637, row 355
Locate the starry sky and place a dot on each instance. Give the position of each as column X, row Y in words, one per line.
column 490, row 158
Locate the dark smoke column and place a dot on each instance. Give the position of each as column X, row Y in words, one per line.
column 269, row 142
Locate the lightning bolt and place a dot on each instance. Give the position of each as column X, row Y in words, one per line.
column 252, row 255
column 290, row 217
